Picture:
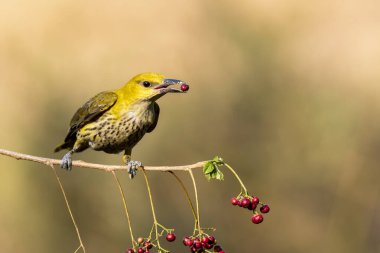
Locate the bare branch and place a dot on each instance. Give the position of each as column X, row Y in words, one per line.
column 106, row 168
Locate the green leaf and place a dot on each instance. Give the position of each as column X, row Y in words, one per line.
column 211, row 169
column 208, row 168
column 219, row 175
column 217, row 159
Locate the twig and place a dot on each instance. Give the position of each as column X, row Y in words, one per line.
column 244, row 189
column 155, row 223
column 106, row 168
column 196, row 200
column 125, row 207
column 187, row 196
column 69, row 209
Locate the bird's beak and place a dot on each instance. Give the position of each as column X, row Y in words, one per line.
column 164, row 87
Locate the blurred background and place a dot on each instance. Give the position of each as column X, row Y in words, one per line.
column 287, row 92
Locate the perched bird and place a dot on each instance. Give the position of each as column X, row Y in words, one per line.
column 115, row 121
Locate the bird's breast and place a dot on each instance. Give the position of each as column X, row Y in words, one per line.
column 115, row 133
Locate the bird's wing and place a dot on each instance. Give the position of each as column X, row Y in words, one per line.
column 91, row 111
column 157, row 114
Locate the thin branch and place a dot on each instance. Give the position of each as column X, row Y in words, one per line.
column 125, row 208
column 187, row 195
column 196, row 200
column 238, row 178
column 69, row 209
column 106, row 168
column 188, row 199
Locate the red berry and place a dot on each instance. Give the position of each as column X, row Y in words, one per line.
column 211, row 239
column 222, row 251
column 234, row 201
column 140, row 250
column 170, row 237
column 257, row 218
column 205, row 239
column 193, row 249
column 187, row 241
column 148, row 245
column 217, row 248
column 245, row 202
column 197, row 245
column 184, row 87
column 130, row 251
column 207, row 246
column 255, row 200
column 265, row 209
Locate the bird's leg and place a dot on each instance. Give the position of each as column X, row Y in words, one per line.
column 131, row 164
column 66, row 161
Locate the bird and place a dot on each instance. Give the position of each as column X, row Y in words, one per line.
column 115, row 121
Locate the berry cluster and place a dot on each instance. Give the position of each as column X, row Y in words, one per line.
column 144, row 245
column 251, row 203
column 202, row 243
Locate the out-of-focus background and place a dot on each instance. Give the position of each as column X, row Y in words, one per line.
column 287, row 92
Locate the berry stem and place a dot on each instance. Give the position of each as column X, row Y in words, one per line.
column 151, row 232
column 81, row 246
column 196, row 200
column 163, row 227
column 78, row 249
column 187, row 196
column 152, row 207
column 125, row 208
column 238, row 178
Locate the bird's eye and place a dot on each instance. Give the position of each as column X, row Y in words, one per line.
column 146, row 84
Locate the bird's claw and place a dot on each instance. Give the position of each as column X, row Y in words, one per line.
column 132, row 168
column 66, row 162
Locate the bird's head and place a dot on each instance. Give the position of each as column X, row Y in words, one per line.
column 151, row 86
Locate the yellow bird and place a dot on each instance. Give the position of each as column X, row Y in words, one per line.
column 115, row 121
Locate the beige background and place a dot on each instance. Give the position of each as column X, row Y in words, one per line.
column 287, row 92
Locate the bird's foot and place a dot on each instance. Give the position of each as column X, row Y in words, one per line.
column 132, row 168
column 66, row 161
